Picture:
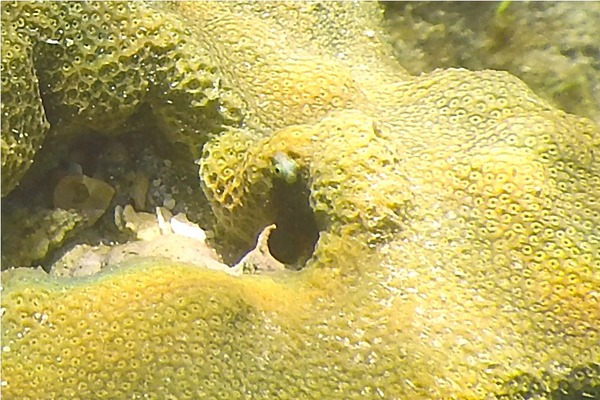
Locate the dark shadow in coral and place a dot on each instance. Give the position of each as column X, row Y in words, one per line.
column 294, row 240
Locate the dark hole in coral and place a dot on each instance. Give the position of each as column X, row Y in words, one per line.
column 294, row 240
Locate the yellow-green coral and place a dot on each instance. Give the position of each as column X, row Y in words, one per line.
column 39, row 231
column 94, row 72
column 551, row 46
column 456, row 213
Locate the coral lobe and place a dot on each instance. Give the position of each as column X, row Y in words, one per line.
column 456, row 214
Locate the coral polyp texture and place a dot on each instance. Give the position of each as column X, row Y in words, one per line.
column 553, row 47
column 450, row 236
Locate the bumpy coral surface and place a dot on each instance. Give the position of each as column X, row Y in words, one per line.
column 552, row 46
column 454, row 216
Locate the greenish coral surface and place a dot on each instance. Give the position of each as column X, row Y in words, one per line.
column 554, row 47
column 456, row 215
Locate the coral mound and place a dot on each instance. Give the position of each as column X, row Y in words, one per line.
column 449, row 235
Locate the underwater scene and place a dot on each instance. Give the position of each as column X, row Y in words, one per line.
column 300, row 200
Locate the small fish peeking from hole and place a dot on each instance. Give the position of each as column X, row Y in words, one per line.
column 285, row 167
column 293, row 241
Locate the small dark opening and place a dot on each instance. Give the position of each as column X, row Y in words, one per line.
column 294, row 240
